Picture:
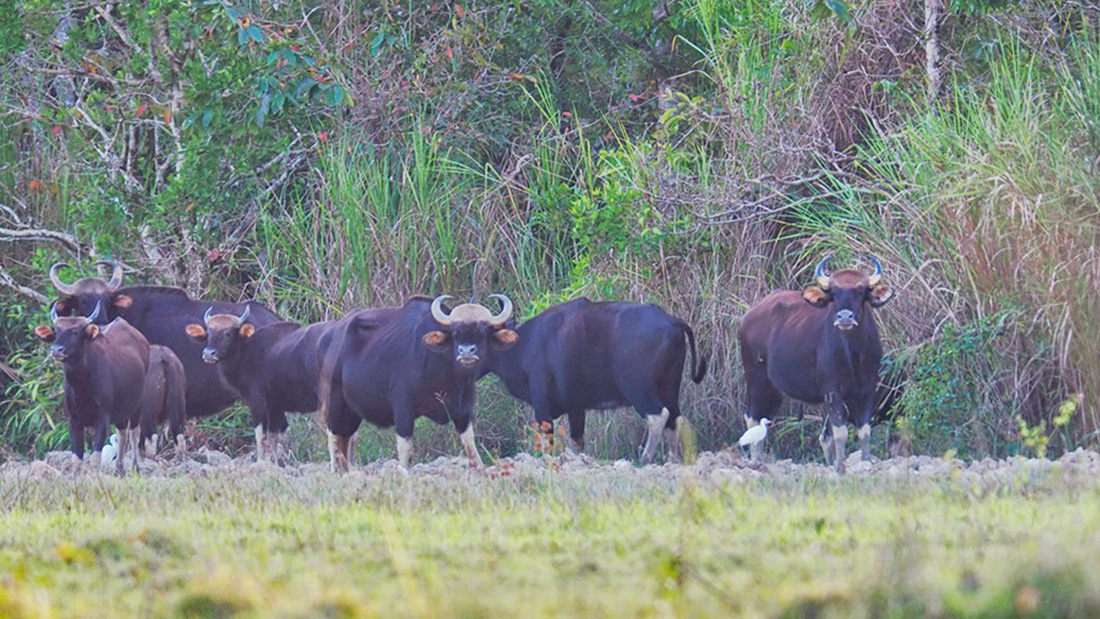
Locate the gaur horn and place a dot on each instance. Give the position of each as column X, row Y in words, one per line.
column 820, row 276
column 95, row 312
column 53, row 312
column 505, row 310
column 244, row 315
column 875, row 277
column 61, row 286
column 437, row 310
column 116, row 273
column 207, row 315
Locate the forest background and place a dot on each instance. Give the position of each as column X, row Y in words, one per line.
column 321, row 156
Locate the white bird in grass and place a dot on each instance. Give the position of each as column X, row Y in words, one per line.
column 110, row 450
column 755, row 434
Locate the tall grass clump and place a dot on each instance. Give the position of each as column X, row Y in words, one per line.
column 381, row 225
column 998, row 187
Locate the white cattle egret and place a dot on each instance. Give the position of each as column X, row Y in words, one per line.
column 755, row 434
column 110, row 450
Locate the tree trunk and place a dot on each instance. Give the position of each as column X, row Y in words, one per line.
column 933, row 15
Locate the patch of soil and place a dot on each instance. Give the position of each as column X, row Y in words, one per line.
column 716, row 467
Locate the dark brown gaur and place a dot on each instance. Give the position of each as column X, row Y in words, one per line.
column 105, row 372
column 583, row 355
column 274, row 368
column 389, row 366
column 818, row 346
column 160, row 313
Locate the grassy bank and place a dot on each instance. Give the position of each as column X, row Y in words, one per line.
column 546, row 543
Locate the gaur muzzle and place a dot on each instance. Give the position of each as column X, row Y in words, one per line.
column 845, row 320
column 467, row 354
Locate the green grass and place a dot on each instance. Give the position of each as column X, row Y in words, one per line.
column 612, row 544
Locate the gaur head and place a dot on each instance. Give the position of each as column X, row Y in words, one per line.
column 221, row 334
column 68, row 334
column 469, row 329
column 82, row 296
column 847, row 292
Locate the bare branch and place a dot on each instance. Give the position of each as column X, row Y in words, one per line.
column 933, row 16
column 105, row 13
column 69, row 241
column 7, row 281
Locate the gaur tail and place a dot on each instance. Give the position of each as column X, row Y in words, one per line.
column 698, row 364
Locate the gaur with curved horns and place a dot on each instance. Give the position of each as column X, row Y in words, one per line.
column 388, row 366
column 818, row 346
column 105, row 370
column 582, row 355
column 161, row 314
column 274, row 368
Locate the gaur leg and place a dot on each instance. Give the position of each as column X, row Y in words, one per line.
column 260, row 416
column 76, row 428
column 339, row 448
column 764, row 401
column 668, row 389
column 135, row 438
column 276, row 427
column 837, row 419
column 673, row 441
column 147, row 445
column 153, row 408
column 404, row 423
column 466, row 435
column 645, row 401
column 76, row 438
column 576, row 429
column 545, row 413
column 123, row 448
column 655, row 424
column 102, row 428
column 865, row 409
column 181, row 446
column 342, row 424
column 826, row 440
column 353, row 448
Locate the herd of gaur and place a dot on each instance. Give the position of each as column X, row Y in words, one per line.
column 139, row 357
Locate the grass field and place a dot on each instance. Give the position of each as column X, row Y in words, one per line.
column 912, row 537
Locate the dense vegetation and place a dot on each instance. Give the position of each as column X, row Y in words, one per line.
column 324, row 156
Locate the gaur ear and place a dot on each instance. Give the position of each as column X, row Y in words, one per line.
column 196, row 332
column 879, row 296
column 44, row 333
column 122, row 301
column 62, row 306
column 91, row 331
column 503, row 338
column 436, row 340
column 247, row 330
column 815, row 296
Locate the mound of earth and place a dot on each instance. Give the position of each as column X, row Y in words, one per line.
column 715, row 467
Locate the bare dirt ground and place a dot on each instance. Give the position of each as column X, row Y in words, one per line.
column 721, row 467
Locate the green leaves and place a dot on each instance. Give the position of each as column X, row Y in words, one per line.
column 251, row 33
column 826, row 8
column 376, row 44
